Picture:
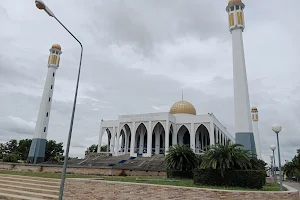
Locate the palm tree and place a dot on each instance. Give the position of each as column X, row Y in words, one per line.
column 181, row 157
column 226, row 157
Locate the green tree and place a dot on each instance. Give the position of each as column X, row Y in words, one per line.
column 290, row 169
column 94, row 148
column 11, row 146
column 181, row 157
column 23, row 148
column 2, row 150
column 104, row 148
column 225, row 157
column 53, row 150
column 257, row 164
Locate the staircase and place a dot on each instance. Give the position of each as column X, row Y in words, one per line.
column 27, row 187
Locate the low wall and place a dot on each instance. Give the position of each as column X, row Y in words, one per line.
column 85, row 189
column 84, row 170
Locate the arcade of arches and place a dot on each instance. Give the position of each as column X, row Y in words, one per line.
column 147, row 142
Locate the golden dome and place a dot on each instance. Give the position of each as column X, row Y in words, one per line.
column 183, row 107
column 56, row 46
column 254, row 108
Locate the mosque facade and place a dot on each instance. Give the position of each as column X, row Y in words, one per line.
column 154, row 133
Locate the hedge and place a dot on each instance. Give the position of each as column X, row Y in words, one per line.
column 180, row 174
column 231, row 178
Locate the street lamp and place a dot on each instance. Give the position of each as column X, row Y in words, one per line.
column 42, row 6
column 277, row 128
column 273, row 147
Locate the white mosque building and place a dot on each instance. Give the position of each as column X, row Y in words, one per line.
column 147, row 134
column 153, row 133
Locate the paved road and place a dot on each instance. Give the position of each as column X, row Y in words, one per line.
column 293, row 184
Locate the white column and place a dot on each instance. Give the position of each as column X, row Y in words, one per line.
column 211, row 132
column 112, row 140
column 100, row 138
column 117, row 142
column 197, row 141
column 149, row 140
column 132, row 142
column 192, row 137
column 167, row 136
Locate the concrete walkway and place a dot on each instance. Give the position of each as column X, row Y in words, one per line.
column 293, row 184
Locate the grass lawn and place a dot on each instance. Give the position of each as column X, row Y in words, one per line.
column 151, row 180
column 186, row 183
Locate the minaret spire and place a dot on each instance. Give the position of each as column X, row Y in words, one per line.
column 38, row 144
column 254, row 112
column 243, row 123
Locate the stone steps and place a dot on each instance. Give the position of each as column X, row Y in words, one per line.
column 25, row 187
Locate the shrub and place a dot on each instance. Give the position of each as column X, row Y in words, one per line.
column 10, row 158
column 181, row 157
column 207, row 177
column 226, row 157
column 180, row 174
column 231, row 178
column 180, row 162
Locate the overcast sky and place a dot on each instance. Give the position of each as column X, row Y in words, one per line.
column 139, row 55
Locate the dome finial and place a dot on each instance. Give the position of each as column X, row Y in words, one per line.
column 181, row 95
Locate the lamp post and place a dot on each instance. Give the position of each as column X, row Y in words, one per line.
column 273, row 147
column 277, row 128
column 42, row 6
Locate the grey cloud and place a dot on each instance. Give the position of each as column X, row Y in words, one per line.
column 140, row 55
column 17, row 125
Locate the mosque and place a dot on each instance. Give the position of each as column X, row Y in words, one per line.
column 154, row 133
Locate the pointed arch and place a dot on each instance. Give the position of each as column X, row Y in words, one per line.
column 183, row 136
column 158, row 138
column 202, row 139
column 141, row 139
column 125, row 136
column 106, row 135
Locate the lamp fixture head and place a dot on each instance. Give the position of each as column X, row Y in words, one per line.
column 273, row 147
column 42, row 6
column 276, row 128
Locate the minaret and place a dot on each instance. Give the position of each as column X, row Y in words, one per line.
column 254, row 112
column 38, row 145
column 243, row 125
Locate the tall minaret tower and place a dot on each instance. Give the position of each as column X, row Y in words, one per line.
column 243, row 124
column 254, row 112
column 38, row 145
